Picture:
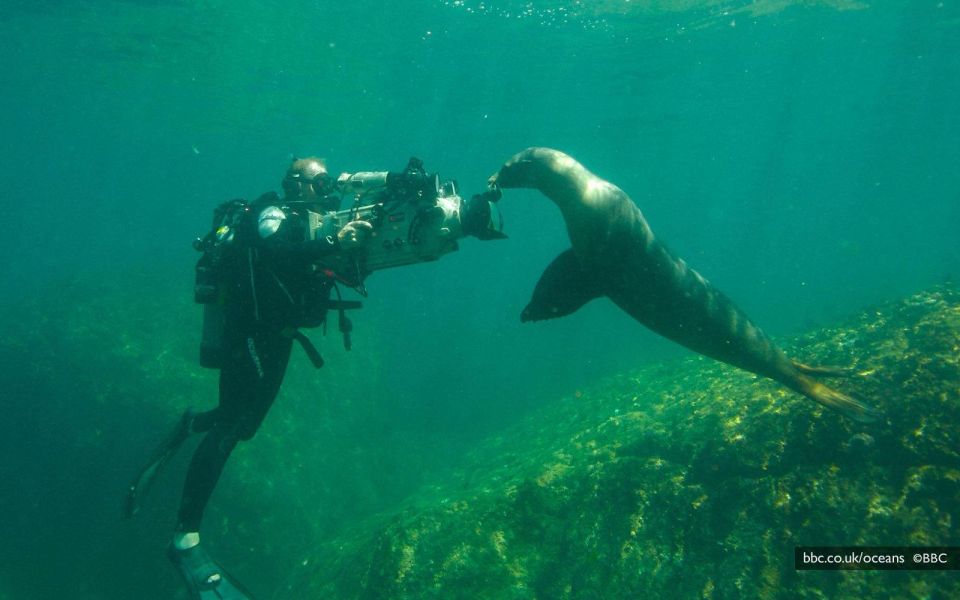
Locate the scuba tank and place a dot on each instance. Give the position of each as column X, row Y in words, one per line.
column 211, row 347
column 208, row 278
column 207, row 291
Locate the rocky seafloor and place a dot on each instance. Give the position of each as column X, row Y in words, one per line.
column 685, row 479
column 691, row 480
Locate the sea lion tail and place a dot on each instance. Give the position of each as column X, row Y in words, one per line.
column 838, row 401
column 823, row 371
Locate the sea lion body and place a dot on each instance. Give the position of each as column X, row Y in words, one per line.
column 615, row 254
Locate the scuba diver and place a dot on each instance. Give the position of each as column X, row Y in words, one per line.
column 268, row 269
column 258, row 285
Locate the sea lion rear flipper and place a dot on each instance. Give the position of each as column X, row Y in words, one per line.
column 821, row 371
column 840, row 402
column 563, row 288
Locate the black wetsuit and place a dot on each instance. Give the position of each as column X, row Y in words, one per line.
column 270, row 291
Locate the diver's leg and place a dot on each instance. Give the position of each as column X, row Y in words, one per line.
column 238, row 421
column 205, row 469
column 239, row 378
column 203, row 577
column 247, row 390
column 144, row 479
column 273, row 354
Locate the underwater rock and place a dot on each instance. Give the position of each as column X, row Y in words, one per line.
column 691, row 481
column 682, row 479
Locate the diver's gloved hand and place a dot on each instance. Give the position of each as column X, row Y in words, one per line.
column 354, row 235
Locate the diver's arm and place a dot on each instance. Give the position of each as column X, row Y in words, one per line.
column 282, row 237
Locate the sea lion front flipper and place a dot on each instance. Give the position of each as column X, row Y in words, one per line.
column 563, row 288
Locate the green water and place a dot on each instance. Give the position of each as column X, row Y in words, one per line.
column 801, row 155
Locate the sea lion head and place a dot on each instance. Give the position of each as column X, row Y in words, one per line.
column 531, row 168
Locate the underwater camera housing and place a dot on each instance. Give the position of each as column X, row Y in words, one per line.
column 416, row 217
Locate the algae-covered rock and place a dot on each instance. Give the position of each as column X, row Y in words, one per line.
column 684, row 479
column 692, row 480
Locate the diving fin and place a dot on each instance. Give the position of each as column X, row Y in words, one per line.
column 563, row 288
column 158, row 459
column 205, row 579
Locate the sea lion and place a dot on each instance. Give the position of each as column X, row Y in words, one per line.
column 615, row 254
